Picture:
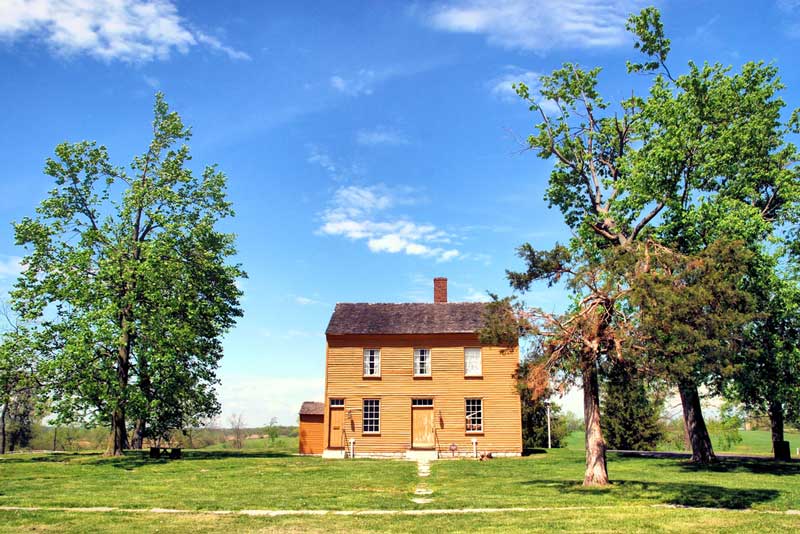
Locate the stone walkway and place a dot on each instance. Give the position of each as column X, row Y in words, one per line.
column 422, row 491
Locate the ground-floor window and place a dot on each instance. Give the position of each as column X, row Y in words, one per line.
column 474, row 411
column 337, row 403
column 372, row 416
column 422, row 402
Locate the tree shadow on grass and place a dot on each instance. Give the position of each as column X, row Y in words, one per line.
column 730, row 465
column 675, row 493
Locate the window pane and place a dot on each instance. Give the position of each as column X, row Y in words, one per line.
column 422, row 362
column 472, row 362
column 372, row 415
column 474, row 415
column 372, row 362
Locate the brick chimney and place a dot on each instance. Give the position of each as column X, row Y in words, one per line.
column 440, row 289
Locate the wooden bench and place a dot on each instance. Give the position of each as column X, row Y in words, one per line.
column 172, row 454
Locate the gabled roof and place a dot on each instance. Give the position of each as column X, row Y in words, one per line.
column 412, row 318
column 312, row 408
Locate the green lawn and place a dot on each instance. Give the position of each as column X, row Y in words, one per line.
column 754, row 442
column 282, row 444
column 204, row 480
column 646, row 496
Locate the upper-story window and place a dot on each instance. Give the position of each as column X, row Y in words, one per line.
column 372, row 362
column 473, row 364
column 422, row 362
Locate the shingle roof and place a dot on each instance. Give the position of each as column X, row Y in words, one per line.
column 312, row 408
column 412, row 318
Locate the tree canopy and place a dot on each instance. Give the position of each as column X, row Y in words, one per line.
column 129, row 285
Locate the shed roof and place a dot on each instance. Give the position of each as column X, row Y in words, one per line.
column 410, row 318
column 312, row 408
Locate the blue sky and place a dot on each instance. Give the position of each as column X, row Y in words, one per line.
column 370, row 146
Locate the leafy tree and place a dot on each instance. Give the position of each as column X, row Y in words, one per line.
column 130, row 285
column 766, row 377
column 679, row 165
column 272, row 430
column 18, row 384
column 631, row 412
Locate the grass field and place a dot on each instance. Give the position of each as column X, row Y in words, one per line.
column 754, row 442
column 648, row 495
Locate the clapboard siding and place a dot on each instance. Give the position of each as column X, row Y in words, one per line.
column 311, row 433
column 447, row 386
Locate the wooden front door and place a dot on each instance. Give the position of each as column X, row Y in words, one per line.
column 335, row 428
column 422, row 428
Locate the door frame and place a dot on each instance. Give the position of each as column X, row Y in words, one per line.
column 331, row 410
column 432, row 411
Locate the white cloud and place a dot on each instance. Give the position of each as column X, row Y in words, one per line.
column 503, row 87
column 380, row 136
column 361, row 83
column 474, row 295
column 306, row 301
column 216, row 44
column 126, row 30
column 538, row 25
column 11, row 267
column 364, row 213
column 337, row 171
column 152, row 83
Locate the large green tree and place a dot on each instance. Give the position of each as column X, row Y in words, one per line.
column 129, row 284
column 669, row 166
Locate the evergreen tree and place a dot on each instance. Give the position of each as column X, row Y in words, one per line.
column 630, row 412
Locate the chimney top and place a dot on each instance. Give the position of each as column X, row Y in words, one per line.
column 439, row 289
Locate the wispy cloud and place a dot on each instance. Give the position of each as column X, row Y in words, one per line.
column 365, row 213
column 380, row 136
column 10, row 267
column 306, row 301
column 502, row 87
column 537, row 25
column 360, row 83
column 473, row 295
column 152, row 82
column 339, row 172
column 791, row 10
column 364, row 81
column 126, row 30
column 215, row 44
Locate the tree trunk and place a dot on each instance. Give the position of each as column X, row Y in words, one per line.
column 702, row 451
column 119, row 430
column 119, row 433
column 3, row 429
column 779, row 449
column 137, row 440
column 596, row 469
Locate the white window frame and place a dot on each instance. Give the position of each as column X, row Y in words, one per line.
column 480, row 361
column 469, row 416
column 374, row 354
column 418, row 353
column 367, row 417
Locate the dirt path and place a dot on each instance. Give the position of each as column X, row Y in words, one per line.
column 441, row 511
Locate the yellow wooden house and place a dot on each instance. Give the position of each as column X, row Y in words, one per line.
column 413, row 379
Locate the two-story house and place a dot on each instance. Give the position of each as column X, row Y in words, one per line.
column 408, row 377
